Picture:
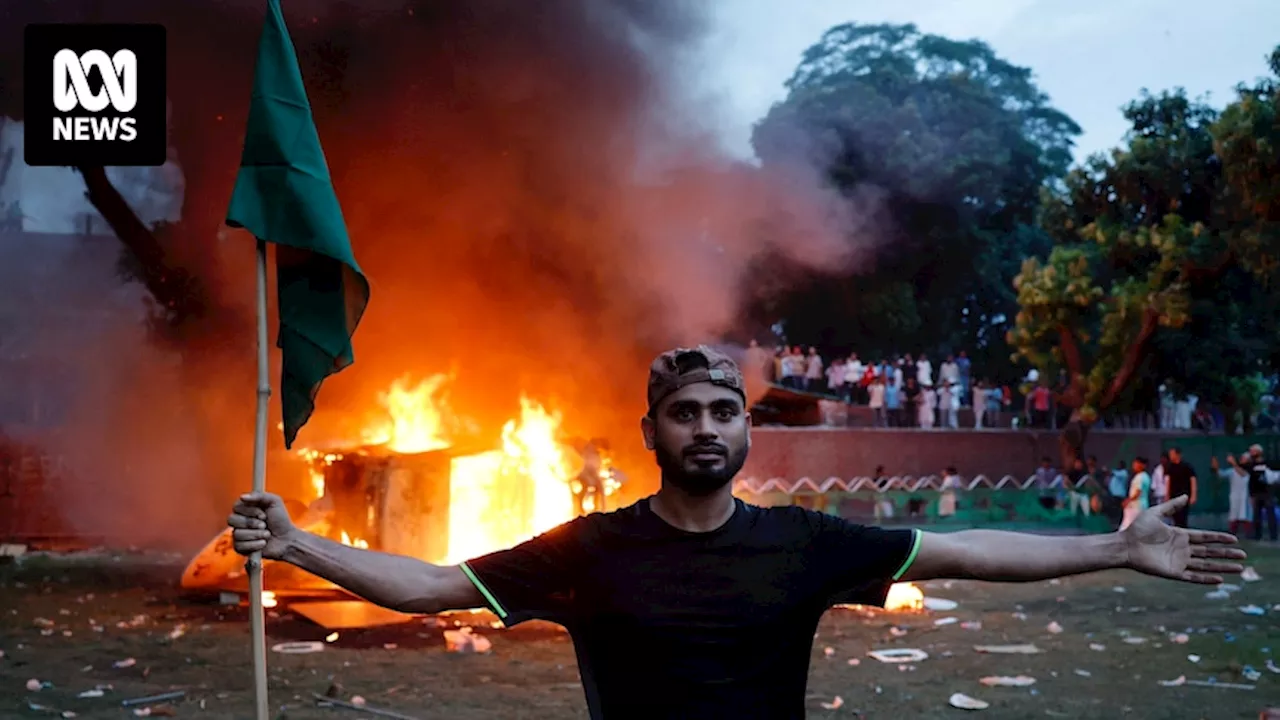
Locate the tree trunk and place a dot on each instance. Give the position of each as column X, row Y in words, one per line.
column 1071, row 439
column 173, row 288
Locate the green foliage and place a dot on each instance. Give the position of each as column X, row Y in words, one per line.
column 1171, row 244
column 959, row 144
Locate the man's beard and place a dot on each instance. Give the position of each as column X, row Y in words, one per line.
column 698, row 482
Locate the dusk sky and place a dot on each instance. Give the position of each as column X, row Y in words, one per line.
column 1090, row 56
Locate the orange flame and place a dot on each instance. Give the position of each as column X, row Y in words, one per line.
column 904, row 597
column 496, row 498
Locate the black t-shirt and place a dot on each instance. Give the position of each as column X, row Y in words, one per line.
column 1179, row 476
column 672, row 624
column 1257, row 477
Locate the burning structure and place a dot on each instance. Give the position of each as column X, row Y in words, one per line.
column 426, row 483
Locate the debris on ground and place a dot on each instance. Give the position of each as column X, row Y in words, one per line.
column 1249, row 574
column 358, row 703
column 297, row 648
column 899, row 655
column 1054, row 628
column 836, row 703
column 940, row 604
column 964, row 702
column 463, row 640
column 1007, row 681
column 1023, row 649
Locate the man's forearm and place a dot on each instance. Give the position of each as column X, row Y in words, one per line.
column 392, row 581
column 1000, row 556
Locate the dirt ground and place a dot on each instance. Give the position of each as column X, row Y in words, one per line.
column 117, row 624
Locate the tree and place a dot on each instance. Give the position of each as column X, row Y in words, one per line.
column 1168, row 244
column 957, row 144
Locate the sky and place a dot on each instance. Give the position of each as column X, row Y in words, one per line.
column 1090, row 56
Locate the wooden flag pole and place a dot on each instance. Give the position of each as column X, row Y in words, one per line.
column 257, row 622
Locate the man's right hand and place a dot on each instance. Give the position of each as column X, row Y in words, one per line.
column 260, row 523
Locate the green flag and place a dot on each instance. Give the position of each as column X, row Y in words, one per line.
column 284, row 196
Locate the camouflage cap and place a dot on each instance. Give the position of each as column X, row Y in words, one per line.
column 681, row 367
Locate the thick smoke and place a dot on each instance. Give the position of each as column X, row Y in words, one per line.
column 530, row 187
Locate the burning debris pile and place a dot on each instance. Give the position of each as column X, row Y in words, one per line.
column 424, row 483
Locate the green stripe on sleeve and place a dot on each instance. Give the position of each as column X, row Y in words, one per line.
column 493, row 601
column 906, row 564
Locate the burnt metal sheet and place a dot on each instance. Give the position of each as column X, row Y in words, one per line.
column 348, row 614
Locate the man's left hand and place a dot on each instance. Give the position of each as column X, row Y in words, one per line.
column 1195, row 556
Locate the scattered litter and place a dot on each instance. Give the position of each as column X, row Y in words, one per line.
column 897, row 631
column 1118, row 589
column 36, row 707
column 1024, row 649
column 1250, row 575
column 856, row 661
column 34, row 685
column 151, row 699
column 899, row 655
column 1019, row 616
column 1180, row 638
column 1217, row 595
column 1007, row 681
column 1252, row 610
column 94, row 693
column 125, row 663
column 835, row 703
column 464, row 641
column 297, row 648
column 178, row 631
column 1194, row 658
column 1083, row 673
column 1054, row 627
column 964, row 702
column 1097, row 647
column 1229, row 686
column 325, row 700
column 971, row 625
column 1180, row 680
column 1271, row 665
column 940, row 604
column 1135, row 640
column 946, row 621
column 828, row 651
column 1250, row 674
column 331, row 637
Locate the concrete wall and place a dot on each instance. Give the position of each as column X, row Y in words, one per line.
column 818, row 452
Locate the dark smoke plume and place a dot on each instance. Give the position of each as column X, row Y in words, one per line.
column 530, row 187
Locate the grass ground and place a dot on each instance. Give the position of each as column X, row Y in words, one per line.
column 75, row 625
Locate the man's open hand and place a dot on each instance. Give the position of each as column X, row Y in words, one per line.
column 260, row 523
column 1195, row 556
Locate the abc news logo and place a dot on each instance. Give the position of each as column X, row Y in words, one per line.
column 95, row 95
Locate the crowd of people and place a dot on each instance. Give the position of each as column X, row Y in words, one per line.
column 907, row 391
column 1124, row 491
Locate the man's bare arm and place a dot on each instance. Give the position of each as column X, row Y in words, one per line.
column 392, row 581
column 1000, row 556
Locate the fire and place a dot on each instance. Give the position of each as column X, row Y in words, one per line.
column 415, row 417
column 498, row 498
column 502, row 497
column 904, row 597
column 358, row 543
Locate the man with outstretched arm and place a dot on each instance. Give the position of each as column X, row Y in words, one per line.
column 691, row 603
